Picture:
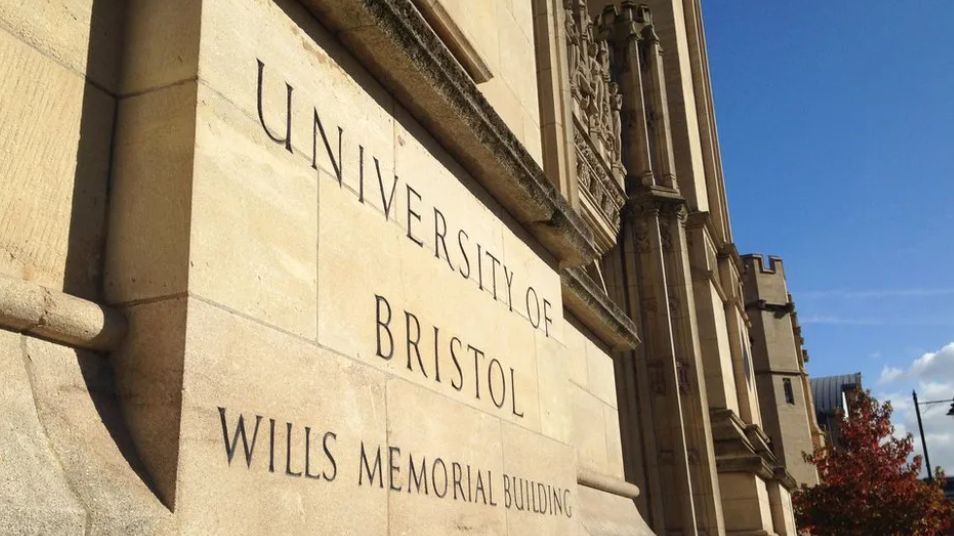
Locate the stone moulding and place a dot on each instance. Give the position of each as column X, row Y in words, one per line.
column 781, row 309
column 745, row 448
column 601, row 196
column 28, row 308
column 585, row 299
column 454, row 38
column 393, row 40
column 785, row 478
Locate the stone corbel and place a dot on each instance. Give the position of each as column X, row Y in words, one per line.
column 779, row 309
column 784, row 478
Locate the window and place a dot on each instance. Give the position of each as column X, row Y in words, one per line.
column 789, row 394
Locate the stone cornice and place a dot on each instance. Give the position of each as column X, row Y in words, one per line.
column 393, row 40
column 786, row 372
column 784, row 478
column 741, row 447
column 458, row 43
column 583, row 297
column 751, row 463
column 762, row 305
column 723, row 248
column 644, row 199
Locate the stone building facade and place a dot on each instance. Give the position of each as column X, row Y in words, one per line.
column 375, row 267
column 779, row 358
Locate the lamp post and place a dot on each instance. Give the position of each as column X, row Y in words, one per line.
column 917, row 410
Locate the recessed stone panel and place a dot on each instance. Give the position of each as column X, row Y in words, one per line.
column 82, row 35
column 553, row 376
column 54, row 163
column 294, row 82
column 33, row 489
column 75, row 399
column 333, row 326
column 540, row 491
column 443, row 465
column 589, row 429
column 305, row 413
column 254, row 221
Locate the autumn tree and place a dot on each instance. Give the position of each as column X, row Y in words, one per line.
column 868, row 487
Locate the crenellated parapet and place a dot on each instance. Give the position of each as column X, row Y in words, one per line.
column 765, row 281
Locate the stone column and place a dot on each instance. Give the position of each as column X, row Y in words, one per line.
column 685, row 335
column 780, row 500
column 661, row 367
column 662, row 300
column 738, row 336
column 655, row 88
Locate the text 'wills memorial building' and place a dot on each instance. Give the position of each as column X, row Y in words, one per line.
column 381, row 267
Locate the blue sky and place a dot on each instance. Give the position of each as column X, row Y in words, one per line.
column 836, row 121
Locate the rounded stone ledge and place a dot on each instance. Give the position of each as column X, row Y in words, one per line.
column 29, row 308
column 607, row 483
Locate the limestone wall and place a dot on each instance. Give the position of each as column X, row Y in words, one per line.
column 331, row 322
column 592, row 389
column 503, row 32
column 59, row 64
column 779, row 364
column 69, row 466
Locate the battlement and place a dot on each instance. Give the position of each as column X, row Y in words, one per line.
column 763, row 279
column 757, row 261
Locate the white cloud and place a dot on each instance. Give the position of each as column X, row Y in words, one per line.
column 840, row 320
column 932, row 376
column 936, row 366
column 877, row 293
column 861, row 321
column 889, row 374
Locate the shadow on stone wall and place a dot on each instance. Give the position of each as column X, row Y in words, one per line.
column 87, row 230
column 83, row 275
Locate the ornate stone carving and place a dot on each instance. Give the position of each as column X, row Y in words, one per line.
column 641, row 230
column 682, row 376
column 692, row 456
column 597, row 125
column 657, row 378
column 665, row 237
column 673, row 302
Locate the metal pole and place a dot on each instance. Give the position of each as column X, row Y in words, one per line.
column 927, row 461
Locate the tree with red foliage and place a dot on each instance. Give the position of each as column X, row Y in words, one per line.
column 868, row 487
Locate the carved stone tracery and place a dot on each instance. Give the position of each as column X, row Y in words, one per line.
column 597, row 104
